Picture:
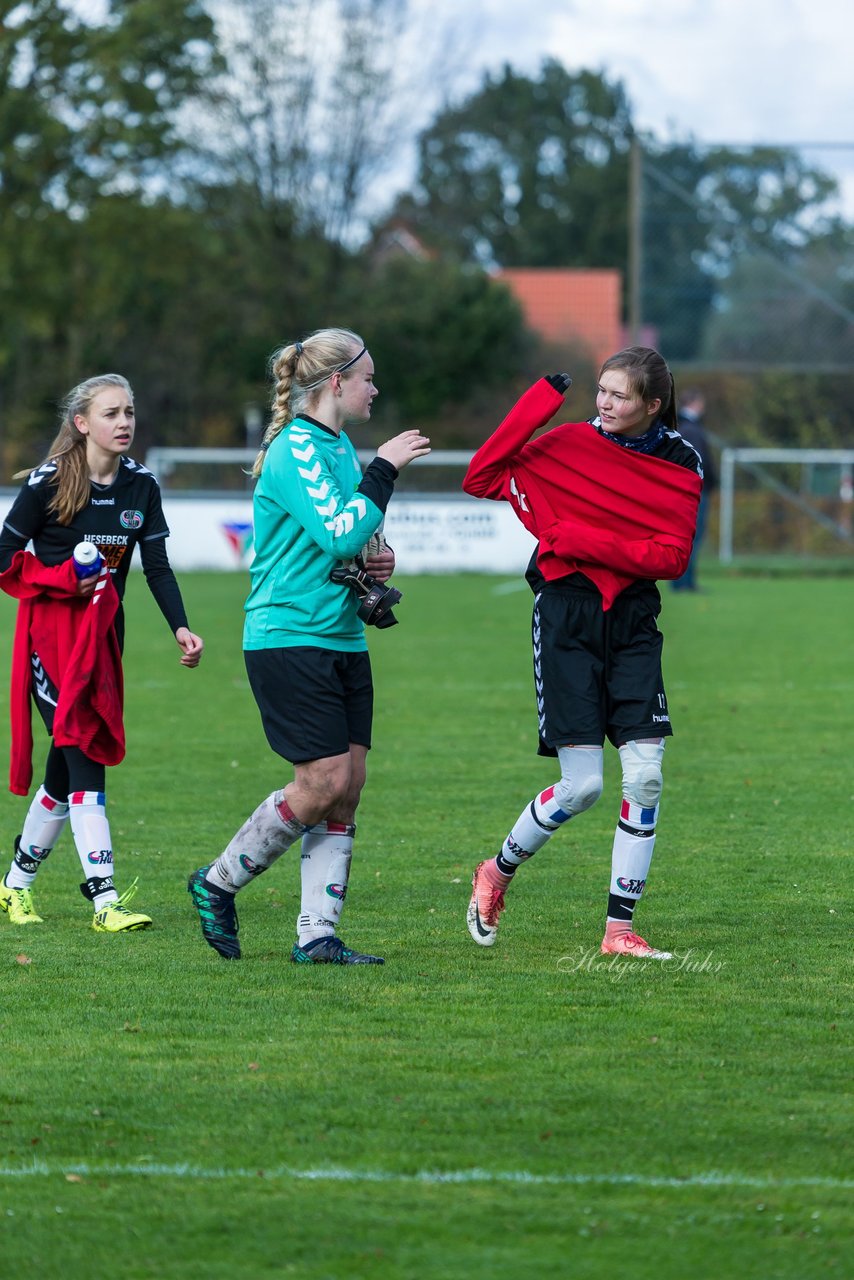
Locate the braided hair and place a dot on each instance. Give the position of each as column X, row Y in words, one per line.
column 298, row 370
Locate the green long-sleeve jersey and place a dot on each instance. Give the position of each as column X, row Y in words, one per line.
column 312, row 509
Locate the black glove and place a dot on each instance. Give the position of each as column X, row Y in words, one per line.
column 375, row 599
column 560, row 381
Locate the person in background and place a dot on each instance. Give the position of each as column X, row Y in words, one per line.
column 69, row 636
column 304, row 638
column 690, row 423
column 612, row 503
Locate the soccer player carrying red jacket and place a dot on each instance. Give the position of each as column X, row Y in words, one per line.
column 613, row 505
column 68, row 637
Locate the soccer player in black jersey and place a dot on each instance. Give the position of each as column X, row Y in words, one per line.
column 87, row 490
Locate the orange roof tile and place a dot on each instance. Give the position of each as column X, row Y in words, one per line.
column 565, row 304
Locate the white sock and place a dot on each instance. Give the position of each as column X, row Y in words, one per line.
column 327, row 850
column 579, row 787
column 263, row 838
column 634, row 841
column 91, row 829
column 535, row 825
column 43, row 826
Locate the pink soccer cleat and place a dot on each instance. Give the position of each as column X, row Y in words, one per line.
column 630, row 944
column 487, row 902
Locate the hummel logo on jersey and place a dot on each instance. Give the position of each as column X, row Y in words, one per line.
column 40, row 473
column 519, row 495
column 136, row 466
column 103, row 502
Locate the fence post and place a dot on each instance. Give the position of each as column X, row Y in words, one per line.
column 726, row 506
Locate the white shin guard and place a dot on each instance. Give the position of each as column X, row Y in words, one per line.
column 263, row 838
column 327, row 851
column 634, row 838
column 579, row 788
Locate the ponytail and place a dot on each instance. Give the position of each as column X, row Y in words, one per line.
column 298, row 371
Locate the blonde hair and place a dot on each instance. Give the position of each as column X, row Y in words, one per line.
column 68, row 450
column 298, row 370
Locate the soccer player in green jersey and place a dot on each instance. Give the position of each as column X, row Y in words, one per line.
column 304, row 639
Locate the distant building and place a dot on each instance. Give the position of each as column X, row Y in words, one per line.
column 570, row 305
column 397, row 240
column 560, row 304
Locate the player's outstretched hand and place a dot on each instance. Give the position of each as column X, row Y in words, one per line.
column 191, row 647
column 560, row 381
column 402, row 449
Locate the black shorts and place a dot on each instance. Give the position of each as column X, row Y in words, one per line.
column 314, row 702
column 44, row 692
column 597, row 674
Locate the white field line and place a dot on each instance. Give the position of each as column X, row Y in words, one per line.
column 429, row 1177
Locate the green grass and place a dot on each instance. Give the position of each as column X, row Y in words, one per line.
column 458, row 1112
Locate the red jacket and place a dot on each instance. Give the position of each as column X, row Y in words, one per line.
column 610, row 513
column 76, row 641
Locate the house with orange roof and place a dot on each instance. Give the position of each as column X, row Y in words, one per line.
column 572, row 305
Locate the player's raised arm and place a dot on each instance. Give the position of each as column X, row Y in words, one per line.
column 489, row 470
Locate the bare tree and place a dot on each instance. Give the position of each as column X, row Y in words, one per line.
column 318, row 101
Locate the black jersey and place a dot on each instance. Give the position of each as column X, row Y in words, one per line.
column 117, row 517
column 673, row 447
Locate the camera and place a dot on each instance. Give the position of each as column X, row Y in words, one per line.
column 375, row 599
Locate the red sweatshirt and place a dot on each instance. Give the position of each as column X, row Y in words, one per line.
column 76, row 641
column 611, row 513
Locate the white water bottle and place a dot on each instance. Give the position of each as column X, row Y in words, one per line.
column 87, row 559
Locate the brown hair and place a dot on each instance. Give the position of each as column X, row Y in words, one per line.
column 68, row 450
column 649, row 378
column 298, row 370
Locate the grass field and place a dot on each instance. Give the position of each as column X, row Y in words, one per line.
column 526, row 1110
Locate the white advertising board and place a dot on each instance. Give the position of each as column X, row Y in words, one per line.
column 429, row 535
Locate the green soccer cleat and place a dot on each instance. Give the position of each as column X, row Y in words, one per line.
column 330, row 951
column 116, row 918
column 18, row 905
column 217, row 915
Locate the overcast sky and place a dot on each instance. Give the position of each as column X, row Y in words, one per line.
column 731, row 70
column 719, row 70
column 736, row 71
